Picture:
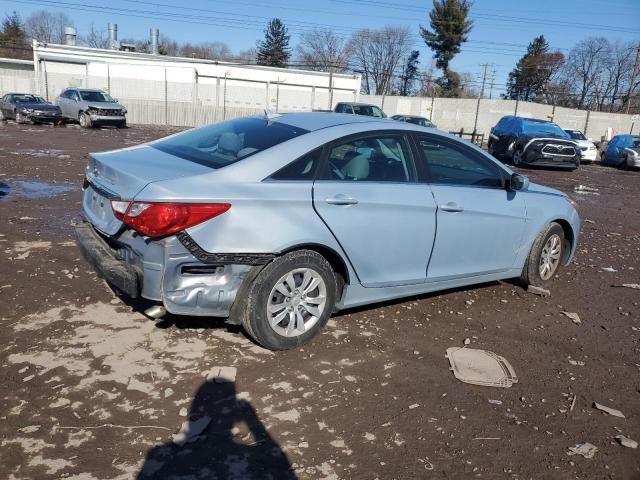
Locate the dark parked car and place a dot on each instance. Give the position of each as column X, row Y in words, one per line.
column 422, row 121
column 25, row 107
column 529, row 141
column 91, row 108
column 354, row 108
column 623, row 151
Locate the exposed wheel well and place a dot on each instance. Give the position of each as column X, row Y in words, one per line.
column 335, row 260
column 569, row 239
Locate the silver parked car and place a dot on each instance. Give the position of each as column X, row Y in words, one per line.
column 278, row 221
column 91, row 108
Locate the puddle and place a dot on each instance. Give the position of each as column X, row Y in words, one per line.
column 32, row 189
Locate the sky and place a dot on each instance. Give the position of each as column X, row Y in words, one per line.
column 502, row 28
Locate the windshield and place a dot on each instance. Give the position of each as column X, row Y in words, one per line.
column 576, row 134
column 28, row 99
column 543, row 129
column 222, row 144
column 88, row 96
column 368, row 110
column 423, row 122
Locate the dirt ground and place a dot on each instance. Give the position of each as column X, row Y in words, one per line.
column 91, row 389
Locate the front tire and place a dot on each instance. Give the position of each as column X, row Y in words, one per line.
column 20, row 118
column 122, row 124
column 517, row 157
column 545, row 257
column 290, row 301
column 85, row 120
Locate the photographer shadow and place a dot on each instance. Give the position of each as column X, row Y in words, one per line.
column 233, row 443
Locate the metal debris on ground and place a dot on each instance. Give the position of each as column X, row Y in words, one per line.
column 190, row 430
column 222, row 374
column 628, row 285
column 610, row 411
column 587, row 450
column 543, row 292
column 609, row 269
column 626, row 441
column 481, row 367
column 585, row 189
column 575, row 318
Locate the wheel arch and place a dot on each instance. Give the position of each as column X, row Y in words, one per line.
column 569, row 239
column 337, row 262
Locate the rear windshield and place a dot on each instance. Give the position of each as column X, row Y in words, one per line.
column 368, row 111
column 543, row 129
column 222, row 144
column 423, row 122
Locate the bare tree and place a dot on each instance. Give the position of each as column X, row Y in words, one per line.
column 47, row 26
column 376, row 54
column 95, row 38
column 584, row 64
column 249, row 56
column 207, row 50
column 322, row 50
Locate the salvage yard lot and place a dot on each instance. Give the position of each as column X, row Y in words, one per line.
column 94, row 390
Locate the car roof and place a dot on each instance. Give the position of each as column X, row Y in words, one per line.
column 317, row 120
column 362, row 104
column 89, row 90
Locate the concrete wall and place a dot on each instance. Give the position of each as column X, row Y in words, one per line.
column 456, row 113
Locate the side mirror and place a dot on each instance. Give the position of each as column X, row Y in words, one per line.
column 518, row 183
column 590, row 139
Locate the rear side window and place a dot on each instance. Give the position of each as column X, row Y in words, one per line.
column 452, row 164
column 303, row 168
column 225, row 143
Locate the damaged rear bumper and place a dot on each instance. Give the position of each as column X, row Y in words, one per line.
column 187, row 280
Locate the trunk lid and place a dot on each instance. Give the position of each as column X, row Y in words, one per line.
column 122, row 174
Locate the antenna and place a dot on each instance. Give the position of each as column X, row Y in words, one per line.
column 269, row 115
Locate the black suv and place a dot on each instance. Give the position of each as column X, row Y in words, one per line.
column 529, row 141
column 354, row 108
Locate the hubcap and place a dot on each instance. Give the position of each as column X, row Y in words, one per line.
column 516, row 157
column 550, row 257
column 296, row 302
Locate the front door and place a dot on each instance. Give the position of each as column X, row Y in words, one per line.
column 480, row 224
column 368, row 197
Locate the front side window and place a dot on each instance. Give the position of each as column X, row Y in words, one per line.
column 222, row 144
column 379, row 158
column 450, row 163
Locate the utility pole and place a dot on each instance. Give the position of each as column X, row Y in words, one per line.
column 493, row 79
column 633, row 77
column 484, row 79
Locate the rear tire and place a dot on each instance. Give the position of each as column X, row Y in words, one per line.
column 85, row 120
column 545, row 258
column 290, row 300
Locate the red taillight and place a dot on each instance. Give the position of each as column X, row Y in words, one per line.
column 160, row 219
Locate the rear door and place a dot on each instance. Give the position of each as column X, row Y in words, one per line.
column 503, row 134
column 367, row 195
column 480, row 224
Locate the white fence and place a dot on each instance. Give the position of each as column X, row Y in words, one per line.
column 215, row 99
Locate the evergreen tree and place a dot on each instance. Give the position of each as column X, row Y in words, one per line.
column 274, row 49
column 533, row 71
column 409, row 73
column 450, row 29
column 13, row 38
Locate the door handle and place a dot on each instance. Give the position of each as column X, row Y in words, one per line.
column 451, row 207
column 341, row 199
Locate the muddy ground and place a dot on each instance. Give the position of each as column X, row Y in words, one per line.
column 91, row 389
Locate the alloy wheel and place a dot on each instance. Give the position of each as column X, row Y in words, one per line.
column 550, row 257
column 296, row 302
column 517, row 157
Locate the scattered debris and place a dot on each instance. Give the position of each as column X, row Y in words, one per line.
column 585, row 189
column 609, row 269
column 587, row 450
column 543, row 292
column 577, row 363
column 628, row 285
column 575, row 318
column 589, row 221
column 486, row 438
column 467, row 341
column 626, row 441
column 222, row 374
column 495, row 402
column 573, row 403
column 610, row 411
column 189, row 431
column 481, row 367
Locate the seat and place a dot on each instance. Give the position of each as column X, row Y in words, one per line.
column 357, row 168
column 229, row 144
